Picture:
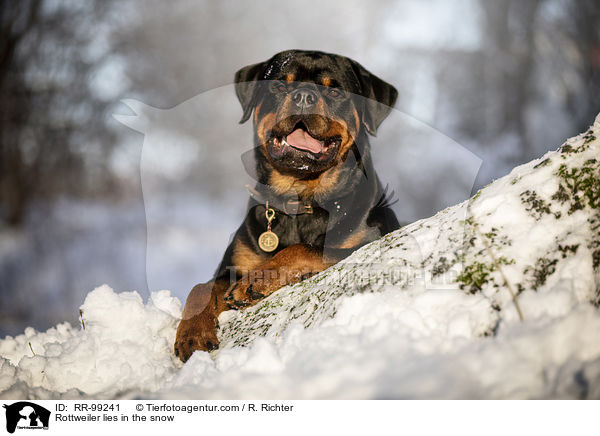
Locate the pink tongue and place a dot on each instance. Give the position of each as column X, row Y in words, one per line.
column 303, row 141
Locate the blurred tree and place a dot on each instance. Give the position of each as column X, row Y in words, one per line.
column 533, row 81
column 53, row 136
column 509, row 53
column 541, row 69
column 583, row 32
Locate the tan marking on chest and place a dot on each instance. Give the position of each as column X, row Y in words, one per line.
column 317, row 188
column 245, row 258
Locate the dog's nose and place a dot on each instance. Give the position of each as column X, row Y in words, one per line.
column 304, row 98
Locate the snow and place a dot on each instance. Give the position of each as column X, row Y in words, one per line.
column 107, row 357
column 425, row 312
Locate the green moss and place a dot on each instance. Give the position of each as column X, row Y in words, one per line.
column 492, row 234
column 535, row 205
column 594, row 245
column 469, row 221
column 561, row 195
column 567, row 149
column 543, row 268
column 580, row 186
column 588, row 138
column 567, row 250
column 441, row 266
column 543, row 163
column 477, row 274
column 474, row 276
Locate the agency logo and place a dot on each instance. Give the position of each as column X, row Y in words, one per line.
column 26, row 415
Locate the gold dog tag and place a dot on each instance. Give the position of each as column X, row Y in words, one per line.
column 268, row 241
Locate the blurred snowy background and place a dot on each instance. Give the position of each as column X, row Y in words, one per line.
column 85, row 200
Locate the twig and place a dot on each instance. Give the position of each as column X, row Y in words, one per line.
column 489, row 250
column 506, row 282
column 81, row 317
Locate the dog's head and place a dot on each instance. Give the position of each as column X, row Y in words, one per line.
column 309, row 109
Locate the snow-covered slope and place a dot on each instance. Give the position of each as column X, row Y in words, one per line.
column 496, row 297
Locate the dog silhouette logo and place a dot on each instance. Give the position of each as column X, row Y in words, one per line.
column 26, row 415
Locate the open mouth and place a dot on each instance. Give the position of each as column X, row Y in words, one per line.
column 300, row 140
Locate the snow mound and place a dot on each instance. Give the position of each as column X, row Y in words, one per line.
column 125, row 345
column 496, row 297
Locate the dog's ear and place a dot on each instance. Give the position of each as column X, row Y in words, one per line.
column 379, row 98
column 245, row 88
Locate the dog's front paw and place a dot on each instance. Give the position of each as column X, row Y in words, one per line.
column 196, row 333
column 246, row 292
column 243, row 294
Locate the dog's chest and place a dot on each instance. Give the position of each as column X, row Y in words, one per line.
column 302, row 229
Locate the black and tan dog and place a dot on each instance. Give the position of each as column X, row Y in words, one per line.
column 317, row 198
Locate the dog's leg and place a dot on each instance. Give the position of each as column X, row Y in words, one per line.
column 198, row 327
column 287, row 267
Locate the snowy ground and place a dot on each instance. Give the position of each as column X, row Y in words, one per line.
column 426, row 312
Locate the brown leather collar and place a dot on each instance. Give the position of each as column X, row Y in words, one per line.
column 289, row 207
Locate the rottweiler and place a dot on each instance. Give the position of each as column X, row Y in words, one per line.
column 317, row 197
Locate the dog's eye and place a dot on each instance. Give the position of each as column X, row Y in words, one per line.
column 332, row 92
column 280, row 87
